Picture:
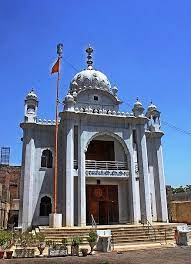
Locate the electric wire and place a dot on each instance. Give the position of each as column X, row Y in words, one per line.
column 170, row 125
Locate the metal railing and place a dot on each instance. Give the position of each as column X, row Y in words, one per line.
column 103, row 165
column 94, row 225
column 160, row 230
column 149, row 227
column 106, row 165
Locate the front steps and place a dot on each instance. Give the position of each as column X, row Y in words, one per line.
column 122, row 235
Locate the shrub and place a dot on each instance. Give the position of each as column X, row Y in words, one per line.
column 76, row 241
column 92, row 236
column 40, row 237
column 5, row 238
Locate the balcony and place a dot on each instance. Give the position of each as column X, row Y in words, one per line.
column 105, row 168
column 105, row 165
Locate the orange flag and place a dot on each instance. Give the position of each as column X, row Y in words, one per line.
column 56, row 66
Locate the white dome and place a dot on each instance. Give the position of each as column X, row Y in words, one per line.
column 137, row 104
column 152, row 107
column 89, row 78
column 31, row 95
column 69, row 98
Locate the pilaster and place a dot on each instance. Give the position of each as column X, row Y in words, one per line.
column 81, row 181
column 162, row 214
column 69, row 174
column 145, row 199
column 27, row 214
column 134, row 216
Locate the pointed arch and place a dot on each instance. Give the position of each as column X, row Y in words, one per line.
column 46, row 159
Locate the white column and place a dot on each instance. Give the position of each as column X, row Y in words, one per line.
column 163, row 216
column 81, row 182
column 145, row 198
column 69, row 174
column 134, row 216
column 27, row 213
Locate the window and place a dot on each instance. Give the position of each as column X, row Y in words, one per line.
column 134, row 136
column 30, row 109
column 45, row 206
column 46, row 159
column 95, row 98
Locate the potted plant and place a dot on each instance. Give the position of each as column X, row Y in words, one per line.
column 25, row 243
column 41, row 243
column 92, row 239
column 75, row 246
column 5, row 240
column 64, row 248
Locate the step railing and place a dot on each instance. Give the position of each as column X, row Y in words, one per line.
column 94, row 225
column 149, row 227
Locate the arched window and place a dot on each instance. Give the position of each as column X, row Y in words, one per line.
column 46, row 159
column 45, row 206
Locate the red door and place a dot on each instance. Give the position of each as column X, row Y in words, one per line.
column 102, row 203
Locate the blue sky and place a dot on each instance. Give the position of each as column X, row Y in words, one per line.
column 144, row 47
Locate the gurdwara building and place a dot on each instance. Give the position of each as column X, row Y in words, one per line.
column 110, row 163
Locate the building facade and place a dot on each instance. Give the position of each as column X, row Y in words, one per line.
column 9, row 195
column 110, row 163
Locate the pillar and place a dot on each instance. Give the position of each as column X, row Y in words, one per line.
column 27, row 214
column 162, row 213
column 134, row 216
column 69, row 174
column 81, row 181
column 145, row 198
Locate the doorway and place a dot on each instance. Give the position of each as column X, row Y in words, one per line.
column 101, row 150
column 102, row 203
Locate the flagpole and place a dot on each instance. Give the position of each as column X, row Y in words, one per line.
column 55, row 181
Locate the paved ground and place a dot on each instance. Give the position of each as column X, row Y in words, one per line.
column 148, row 256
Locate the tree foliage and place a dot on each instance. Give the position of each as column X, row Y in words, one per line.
column 181, row 188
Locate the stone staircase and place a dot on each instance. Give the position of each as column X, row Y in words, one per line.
column 121, row 234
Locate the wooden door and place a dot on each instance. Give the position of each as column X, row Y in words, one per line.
column 102, row 203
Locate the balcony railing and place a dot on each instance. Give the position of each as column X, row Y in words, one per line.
column 103, row 165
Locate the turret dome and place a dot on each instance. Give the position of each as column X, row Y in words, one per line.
column 32, row 95
column 138, row 104
column 151, row 107
column 138, row 108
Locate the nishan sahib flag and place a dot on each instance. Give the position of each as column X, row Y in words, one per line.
column 56, row 67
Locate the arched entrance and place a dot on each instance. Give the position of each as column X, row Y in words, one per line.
column 106, row 165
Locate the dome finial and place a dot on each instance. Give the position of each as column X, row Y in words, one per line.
column 89, row 51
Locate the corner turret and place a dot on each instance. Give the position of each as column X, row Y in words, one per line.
column 154, row 118
column 31, row 106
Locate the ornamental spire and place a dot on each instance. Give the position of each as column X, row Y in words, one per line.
column 89, row 51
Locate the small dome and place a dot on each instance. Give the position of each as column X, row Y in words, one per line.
column 138, row 104
column 152, row 107
column 31, row 95
column 138, row 108
column 89, row 78
column 69, row 98
column 114, row 90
